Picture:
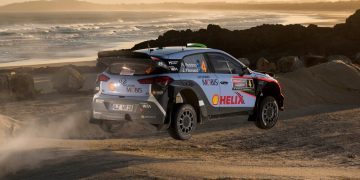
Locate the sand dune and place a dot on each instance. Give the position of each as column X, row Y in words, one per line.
column 329, row 83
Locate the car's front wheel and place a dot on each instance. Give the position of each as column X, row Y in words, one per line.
column 267, row 113
column 183, row 122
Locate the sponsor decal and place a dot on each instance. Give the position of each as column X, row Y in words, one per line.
column 191, row 68
column 172, row 68
column 201, row 103
column 210, row 82
column 134, row 90
column 203, row 76
column 173, row 62
column 123, row 82
column 191, row 65
column 228, row 100
column 242, row 84
column 146, row 106
column 215, row 99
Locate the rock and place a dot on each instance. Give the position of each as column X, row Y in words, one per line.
column 113, row 53
column 5, row 93
column 4, row 82
column 263, row 65
column 289, row 64
column 67, row 80
column 312, row 60
column 9, row 127
column 357, row 58
column 22, row 86
column 270, row 40
column 245, row 61
column 339, row 58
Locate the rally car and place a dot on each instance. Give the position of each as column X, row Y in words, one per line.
column 176, row 88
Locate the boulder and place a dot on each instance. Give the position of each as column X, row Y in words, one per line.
column 4, row 82
column 357, row 59
column 67, row 80
column 9, row 127
column 22, row 86
column 5, row 93
column 114, row 53
column 312, row 60
column 263, row 65
column 245, row 61
column 339, row 58
column 289, row 64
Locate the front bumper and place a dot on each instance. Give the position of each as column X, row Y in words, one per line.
column 144, row 109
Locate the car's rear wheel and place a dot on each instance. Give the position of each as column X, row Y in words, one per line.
column 267, row 113
column 111, row 127
column 183, row 122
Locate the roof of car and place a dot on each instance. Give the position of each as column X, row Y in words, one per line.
column 176, row 52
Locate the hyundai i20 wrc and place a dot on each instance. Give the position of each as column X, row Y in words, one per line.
column 176, row 88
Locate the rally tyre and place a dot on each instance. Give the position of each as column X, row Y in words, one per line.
column 183, row 122
column 267, row 113
column 111, row 127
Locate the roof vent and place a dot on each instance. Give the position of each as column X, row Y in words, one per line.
column 196, row 45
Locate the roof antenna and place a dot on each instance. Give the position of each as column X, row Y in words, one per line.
column 150, row 50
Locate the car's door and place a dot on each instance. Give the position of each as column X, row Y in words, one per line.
column 194, row 68
column 237, row 93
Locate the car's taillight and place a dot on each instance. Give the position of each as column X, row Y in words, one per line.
column 102, row 77
column 161, row 80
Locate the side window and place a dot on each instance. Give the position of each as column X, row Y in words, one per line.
column 194, row 64
column 224, row 64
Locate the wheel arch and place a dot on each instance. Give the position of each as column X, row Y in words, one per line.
column 190, row 96
column 273, row 89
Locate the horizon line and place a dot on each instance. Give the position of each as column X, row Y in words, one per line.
column 259, row 2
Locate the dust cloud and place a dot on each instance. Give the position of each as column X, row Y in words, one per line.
column 28, row 145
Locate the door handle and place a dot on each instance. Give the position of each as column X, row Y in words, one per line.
column 224, row 82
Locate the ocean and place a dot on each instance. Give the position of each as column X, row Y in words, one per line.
column 35, row 38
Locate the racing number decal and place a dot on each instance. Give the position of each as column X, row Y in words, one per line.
column 239, row 92
column 203, row 66
column 243, row 84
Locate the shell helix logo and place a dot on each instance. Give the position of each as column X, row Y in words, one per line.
column 215, row 99
column 231, row 100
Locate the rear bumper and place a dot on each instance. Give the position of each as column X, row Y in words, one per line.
column 144, row 109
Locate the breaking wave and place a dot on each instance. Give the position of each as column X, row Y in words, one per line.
column 83, row 34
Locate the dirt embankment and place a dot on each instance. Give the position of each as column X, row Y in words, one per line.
column 328, row 83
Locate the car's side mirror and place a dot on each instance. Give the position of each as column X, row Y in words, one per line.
column 244, row 71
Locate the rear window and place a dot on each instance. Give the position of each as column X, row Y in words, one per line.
column 136, row 66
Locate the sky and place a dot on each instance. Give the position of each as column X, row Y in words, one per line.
column 3, row 2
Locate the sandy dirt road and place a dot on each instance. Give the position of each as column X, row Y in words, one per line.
column 313, row 142
column 317, row 137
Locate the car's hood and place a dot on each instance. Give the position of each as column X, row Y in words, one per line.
column 259, row 75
